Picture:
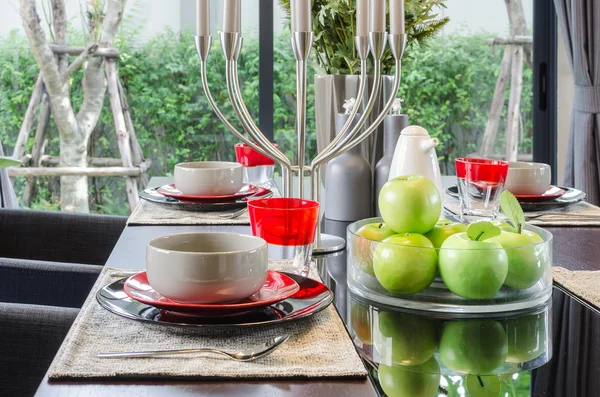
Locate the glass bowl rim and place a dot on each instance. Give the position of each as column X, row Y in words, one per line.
column 546, row 236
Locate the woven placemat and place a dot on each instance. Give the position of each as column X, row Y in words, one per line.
column 583, row 283
column 319, row 347
column 577, row 214
column 147, row 213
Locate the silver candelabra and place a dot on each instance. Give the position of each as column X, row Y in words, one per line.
column 346, row 139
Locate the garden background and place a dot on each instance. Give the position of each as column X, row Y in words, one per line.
column 447, row 87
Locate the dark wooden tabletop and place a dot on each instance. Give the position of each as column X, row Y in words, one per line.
column 575, row 248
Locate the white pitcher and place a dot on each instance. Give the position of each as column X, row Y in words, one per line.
column 415, row 154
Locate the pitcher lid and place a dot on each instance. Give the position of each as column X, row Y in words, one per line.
column 414, row 130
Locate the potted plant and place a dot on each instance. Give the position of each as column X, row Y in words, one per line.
column 338, row 66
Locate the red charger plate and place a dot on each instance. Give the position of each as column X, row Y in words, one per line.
column 171, row 191
column 276, row 288
column 552, row 193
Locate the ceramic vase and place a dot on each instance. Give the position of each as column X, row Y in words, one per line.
column 348, row 183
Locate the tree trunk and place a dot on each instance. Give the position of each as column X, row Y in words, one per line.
column 518, row 26
column 74, row 129
column 514, row 104
column 73, row 189
column 36, row 96
column 38, row 149
column 491, row 129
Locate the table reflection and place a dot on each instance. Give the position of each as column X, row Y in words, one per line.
column 425, row 354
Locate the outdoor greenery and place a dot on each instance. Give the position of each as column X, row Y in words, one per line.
column 334, row 28
column 447, row 88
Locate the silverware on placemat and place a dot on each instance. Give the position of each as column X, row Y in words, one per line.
column 233, row 215
column 252, row 353
column 124, row 273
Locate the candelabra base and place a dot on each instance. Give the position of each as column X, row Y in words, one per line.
column 329, row 244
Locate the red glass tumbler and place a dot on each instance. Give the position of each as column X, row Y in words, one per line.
column 480, row 184
column 258, row 169
column 288, row 225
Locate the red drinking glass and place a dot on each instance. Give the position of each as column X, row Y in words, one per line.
column 480, row 184
column 258, row 168
column 288, row 225
column 249, row 157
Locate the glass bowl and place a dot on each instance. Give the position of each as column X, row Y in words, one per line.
column 441, row 351
column 529, row 273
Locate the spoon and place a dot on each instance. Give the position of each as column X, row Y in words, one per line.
column 124, row 273
column 252, row 353
column 233, row 214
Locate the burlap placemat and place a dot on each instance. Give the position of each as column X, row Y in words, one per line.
column 577, row 214
column 147, row 213
column 584, row 284
column 319, row 347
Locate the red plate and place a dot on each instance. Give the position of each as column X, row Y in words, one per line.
column 171, row 191
column 276, row 288
column 552, row 193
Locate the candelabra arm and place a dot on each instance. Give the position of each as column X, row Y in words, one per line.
column 342, row 133
column 202, row 46
column 247, row 123
column 231, row 44
column 301, row 45
column 381, row 116
column 378, row 42
column 397, row 44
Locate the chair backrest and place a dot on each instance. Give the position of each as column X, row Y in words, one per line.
column 58, row 236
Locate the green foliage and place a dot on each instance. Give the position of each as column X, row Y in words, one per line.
column 334, row 27
column 447, row 87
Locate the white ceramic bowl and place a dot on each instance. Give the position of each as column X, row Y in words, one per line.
column 528, row 178
column 208, row 178
column 207, row 267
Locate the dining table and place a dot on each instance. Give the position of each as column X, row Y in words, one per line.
column 574, row 369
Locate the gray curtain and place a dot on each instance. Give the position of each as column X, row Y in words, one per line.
column 8, row 199
column 580, row 22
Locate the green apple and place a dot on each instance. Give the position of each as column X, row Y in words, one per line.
column 405, row 263
column 527, row 258
column 483, row 386
column 472, row 269
column 360, row 321
column 443, row 229
column 405, row 339
column 475, row 347
column 504, row 226
column 362, row 248
column 526, row 338
column 410, row 204
column 414, row 381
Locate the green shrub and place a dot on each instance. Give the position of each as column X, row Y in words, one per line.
column 447, row 87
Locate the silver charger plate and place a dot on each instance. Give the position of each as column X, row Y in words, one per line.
column 312, row 298
column 570, row 197
column 153, row 196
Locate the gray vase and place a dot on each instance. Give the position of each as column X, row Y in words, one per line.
column 331, row 91
column 392, row 127
column 348, row 186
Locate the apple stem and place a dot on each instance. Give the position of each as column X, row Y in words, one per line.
column 479, row 236
column 380, row 226
column 480, row 381
column 520, row 228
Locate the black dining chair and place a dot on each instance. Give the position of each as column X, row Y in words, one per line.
column 30, row 336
